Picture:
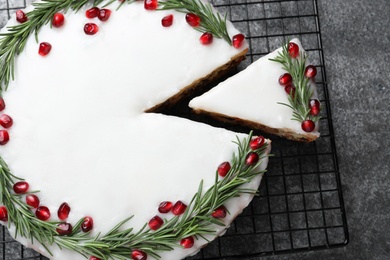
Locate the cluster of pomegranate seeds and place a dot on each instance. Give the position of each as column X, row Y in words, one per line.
column 32, row 200
column 187, row 242
column 3, row 214
column 238, row 40
column 151, row 4
column 155, row 223
column 44, row 48
column 6, row 122
column 179, row 208
column 138, row 255
column 63, row 211
column 219, row 212
column 21, row 17
column 87, row 224
column 42, row 213
column 206, row 38
column 167, row 21
column 308, row 125
column 192, row 19
column 223, row 169
column 64, row 229
column 91, row 28
column 95, row 12
column 293, row 50
column 58, row 20
column 165, row 207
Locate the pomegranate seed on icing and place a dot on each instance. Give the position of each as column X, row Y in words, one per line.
column 179, row 208
column 58, row 20
column 165, row 207
column 219, row 212
column 167, row 20
column 44, row 48
column 310, row 71
column 21, row 187
column 187, row 242
column 42, row 213
column 155, row 223
column 3, row 214
column 21, row 17
column 308, row 126
column 150, row 4
column 206, row 38
column 92, row 12
column 293, row 50
column 315, row 107
column 63, row 211
column 257, row 142
column 138, row 255
column 251, row 159
column 87, row 224
column 290, row 89
column 238, row 40
column 64, row 229
column 223, row 169
column 32, row 200
column 4, row 137
column 285, row 79
column 94, row 258
column 90, row 28
column 6, row 121
column 104, row 14
column 192, row 19
column 2, row 104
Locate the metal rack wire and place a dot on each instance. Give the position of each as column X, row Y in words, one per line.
column 300, row 207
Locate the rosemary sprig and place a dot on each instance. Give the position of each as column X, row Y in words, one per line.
column 211, row 21
column 118, row 242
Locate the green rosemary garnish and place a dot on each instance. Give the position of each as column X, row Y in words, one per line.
column 119, row 243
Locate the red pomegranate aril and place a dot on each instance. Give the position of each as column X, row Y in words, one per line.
column 94, row 258
column 290, row 90
column 64, row 229
column 155, row 223
column 187, row 242
column 138, row 255
column 179, row 208
column 63, row 211
column 104, row 14
column 165, row 207
column 219, row 212
column 293, row 50
column 206, row 38
column 310, row 71
column 3, row 214
column 6, row 121
column 308, row 125
column 87, row 224
column 251, row 159
column 2, row 104
column 21, row 187
column 257, row 142
column 91, row 28
column 285, row 79
column 150, row 4
column 223, row 169
column 44, row 48
column 192, row 19
column 167, row 20
column 238, row 40
column 92, row 12
column 32, row 200
column 315, row 107
column 21, row 17
column 42, row 213
column 58, row 20
column 4, row 137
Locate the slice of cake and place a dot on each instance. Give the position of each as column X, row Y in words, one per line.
column 84, row 171
column 275, row 94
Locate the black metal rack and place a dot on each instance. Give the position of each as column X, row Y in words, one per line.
column 300, row 207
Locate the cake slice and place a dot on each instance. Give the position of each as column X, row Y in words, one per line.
column 275, row 94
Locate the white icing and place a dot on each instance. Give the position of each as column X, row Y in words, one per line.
column 254, row 94
column 80, row 134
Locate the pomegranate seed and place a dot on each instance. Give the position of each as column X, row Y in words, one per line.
column 165, row 207
column 206, row 38
column 44, row 48
column 179, row 208
column 32, row 200
column 192, row 19
column 3, row 214
column 58, row 20
column 63, row 211
column 315, row 107
column 187, row 242
column 155, row 223
column 90, row 28
column 257, row 142
column 219, row 212
column 2, row 104
column 290, row 89
column 21, row 187
column 251, row 159
column 293, row 50
column 4, row 137
column 64, row 229
column 94, row 258
column 285, row 79
column 104, row 14
column 308, row 126
column 151, row 4
column 167, row 20
column 238, row 40
column 6, row 121
column 42, row 213
column 223, row 169
column 138, row 255
column 92, row 12
column 21, row 17
column 87, row 224
column 310, row 71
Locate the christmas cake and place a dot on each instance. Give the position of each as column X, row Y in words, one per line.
column 276, row 94
column 85, row 171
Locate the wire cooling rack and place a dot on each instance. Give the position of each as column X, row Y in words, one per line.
column 300, row 207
